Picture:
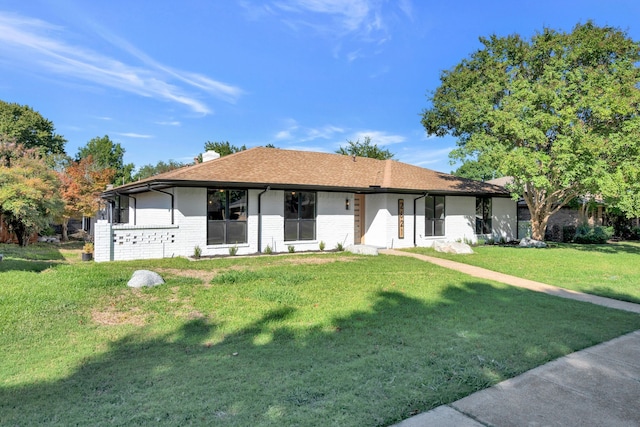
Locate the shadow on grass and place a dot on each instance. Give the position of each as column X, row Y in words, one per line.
column 371, row 367
column 34, row 258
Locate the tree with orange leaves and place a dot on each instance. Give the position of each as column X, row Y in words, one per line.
column 81, row 184
column 29, row 197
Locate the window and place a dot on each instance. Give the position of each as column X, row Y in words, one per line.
column 483, row 215
column 226, row 216
column 434, row 216
column 121, row 210
column 299, row 215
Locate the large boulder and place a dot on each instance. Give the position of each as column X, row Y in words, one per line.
column 452, row 247
column 145, row 278
column 531, row 243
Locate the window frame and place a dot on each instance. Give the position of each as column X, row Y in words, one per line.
column 121, row 209
column 431, row 219
column 300, row 221
column 484, row 213
column 230, row 220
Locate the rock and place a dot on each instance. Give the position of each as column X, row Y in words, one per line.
column 362, row 249
column 531, row 243
column 42, row 239
column 452, row 248
column 53, row 240
column 142, row 278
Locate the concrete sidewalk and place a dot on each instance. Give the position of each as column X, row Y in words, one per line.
column 597, row 386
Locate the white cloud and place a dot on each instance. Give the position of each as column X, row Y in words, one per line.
column 40, row 44
column 133, row 135
column 377, row 137
column 169, row 123
column 293, row 131
column 358, row 20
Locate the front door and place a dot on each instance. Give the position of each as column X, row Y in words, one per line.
column 358, row 219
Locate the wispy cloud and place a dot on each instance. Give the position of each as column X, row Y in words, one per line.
column 293, row 131
column 43, row 46
column 169, row 123
column 365, row 21
column 377, row 137
column 133, row 135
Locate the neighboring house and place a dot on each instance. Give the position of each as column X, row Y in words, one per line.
column 567, row 216
column 268, row 197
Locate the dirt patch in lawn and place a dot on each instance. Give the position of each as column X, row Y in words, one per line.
column 128, row 308
column 314, row 260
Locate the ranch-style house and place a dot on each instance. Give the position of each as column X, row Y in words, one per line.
column 273, row 198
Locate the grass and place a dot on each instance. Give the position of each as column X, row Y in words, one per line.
column 609, row 270
column 324, row 339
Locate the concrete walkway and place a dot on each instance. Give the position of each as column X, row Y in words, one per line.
column 598, row 386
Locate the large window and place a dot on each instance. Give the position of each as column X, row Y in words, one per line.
column 299, row 215
column 121, row 210
column 226, row 216
column 483, row 215
column 434, row 216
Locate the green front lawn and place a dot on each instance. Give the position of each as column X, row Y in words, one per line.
column 611, row 270
column 319, row 339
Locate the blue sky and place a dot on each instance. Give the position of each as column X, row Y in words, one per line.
column 163, row 77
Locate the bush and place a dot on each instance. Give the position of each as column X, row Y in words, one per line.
column 321, row 245
column 635, row 233
column 268, row 250
column 568, row 233
column 291, row 248
column 592, row 235
column 339, row 247
column 233, row 250
column 197, row 252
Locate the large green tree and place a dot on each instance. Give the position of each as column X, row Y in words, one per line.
column 29, row 196
column 558, row 112
column 365, row 149
column 473, row 169
column 29, row 128
column 150, row 170
column 107, row 155
column 223, row 148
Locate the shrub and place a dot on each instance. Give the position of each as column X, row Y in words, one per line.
column 339, row 247
column 568, row 233
column 233, row 250
column 592, row 235
column 197, row 252
column 268, row 250
column 88, row 248
column 321, row 245
column 635, row 233
column 291, row 248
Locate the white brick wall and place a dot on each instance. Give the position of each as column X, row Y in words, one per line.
column 155, row 237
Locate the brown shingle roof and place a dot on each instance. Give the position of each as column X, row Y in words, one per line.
column 259, row 167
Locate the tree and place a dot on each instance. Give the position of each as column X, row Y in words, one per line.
column 150, row 170
column 223, row 148
column 29, row 198
column 107, row 155
column 81, row 184
column 365, row 149
column 473, row 169
column 559, row 113
column 29, row 128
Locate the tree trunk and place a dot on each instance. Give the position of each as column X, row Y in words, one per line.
column 65, row 229
column 539, row 220
column 21, row 234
